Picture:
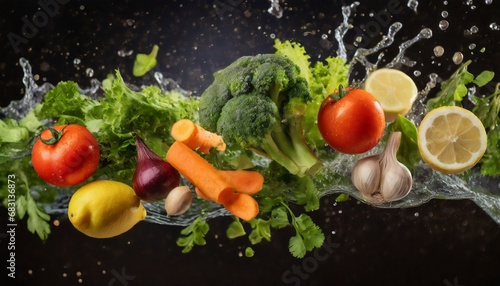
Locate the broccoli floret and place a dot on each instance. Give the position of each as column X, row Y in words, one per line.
column 258, row 102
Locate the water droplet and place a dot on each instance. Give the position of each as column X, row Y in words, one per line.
column 445, row 2
column 472, row 46
column 413, row 4
column 443, row 25
column 444, row 14
column 417, row 73
column 495, row 27
column 488, row 2
column 324, row 36
column 130, row 22
column 123, row 53
column 416, row 214
column 469, row 2
column 272, row 36
column 458, row 57
column 89, row 72
column 77, row 61
column 276, row 10
column 438, row 51
column 426, row 33
column 474, row 29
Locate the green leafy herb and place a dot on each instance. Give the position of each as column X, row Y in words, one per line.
column 487, row 110
column 454, row 89
column 306, row 194
column 261, row 229
column 249, row 252
column 194, row 234
column 408, row 153
column 307, row 237
column 235, row 229
column 484, row 78
column 144, row 63
column 342, row 198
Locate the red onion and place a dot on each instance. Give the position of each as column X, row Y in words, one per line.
column 153, row 178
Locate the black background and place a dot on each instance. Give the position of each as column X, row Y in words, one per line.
column 439, row 243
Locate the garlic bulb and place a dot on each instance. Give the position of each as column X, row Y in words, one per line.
column 382, row 178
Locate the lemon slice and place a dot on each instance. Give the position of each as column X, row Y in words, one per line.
column 451, row 139
column 394, row 90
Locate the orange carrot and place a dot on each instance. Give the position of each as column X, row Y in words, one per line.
column 245, row 182
column 243, row 206
column 195, row 137
column 198, row 171
column 200, row 194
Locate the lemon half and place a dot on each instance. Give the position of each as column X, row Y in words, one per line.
column 104, row 209
column 394, row 90
column 451, row 139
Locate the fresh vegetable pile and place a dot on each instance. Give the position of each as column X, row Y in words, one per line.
column 255, row 143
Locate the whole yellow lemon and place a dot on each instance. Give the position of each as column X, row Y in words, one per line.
column 104, row 209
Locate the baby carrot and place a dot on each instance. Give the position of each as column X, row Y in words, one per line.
column 195, row 137
column 199, row 172
column 243, row 206
column 200, row 194
column 245, row 182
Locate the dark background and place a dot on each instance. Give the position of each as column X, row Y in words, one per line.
column 439, row 243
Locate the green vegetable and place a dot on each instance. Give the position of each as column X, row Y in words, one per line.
column 150, row 112
column 258, row 102
column 454, row 89
column 249, row 252
column 323, row 78
column 488, row 109
column 194, row 234
column 144, row 63
column 408, row 153
column 235, row 229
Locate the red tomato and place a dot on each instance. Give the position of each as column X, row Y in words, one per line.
column 353, row 124
column 70, row 159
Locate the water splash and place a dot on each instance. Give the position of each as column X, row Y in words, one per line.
column 400, row 58
column 33, row 94
column 168, row 84
column 342, row 29
column 275, row 9
column 361, row 54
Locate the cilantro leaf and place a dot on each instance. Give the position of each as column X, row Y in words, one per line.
column 235, row 229
column 296, row 246
column 306, row 194
column 279, row 217
column 193, row 234
column 261, row 230
column 249, row 252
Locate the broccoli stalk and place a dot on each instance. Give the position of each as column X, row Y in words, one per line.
column 258, row 103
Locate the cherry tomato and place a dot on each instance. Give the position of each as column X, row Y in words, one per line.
column 352, row 124
column 65, row 155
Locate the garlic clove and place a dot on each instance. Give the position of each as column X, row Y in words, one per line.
column 366, row 175
column 396, row 183
column 178, row 201
column 397, row 180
